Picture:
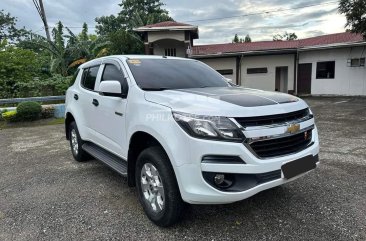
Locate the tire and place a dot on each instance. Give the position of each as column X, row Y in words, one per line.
column 168, row 202
column 76, row 143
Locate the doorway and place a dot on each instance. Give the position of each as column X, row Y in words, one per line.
column 304, row 79
column 281, row 79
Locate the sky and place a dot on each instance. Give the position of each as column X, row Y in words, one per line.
column 266, row 17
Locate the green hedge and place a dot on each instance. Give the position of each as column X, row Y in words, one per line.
column 28, row 111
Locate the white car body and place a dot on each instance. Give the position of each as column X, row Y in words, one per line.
column 112, row 124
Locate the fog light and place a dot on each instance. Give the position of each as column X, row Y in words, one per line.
column 219, row 179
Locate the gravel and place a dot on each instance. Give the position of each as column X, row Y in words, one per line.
column 46, row 195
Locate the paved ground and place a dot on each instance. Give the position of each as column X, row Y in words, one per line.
column 45, row 195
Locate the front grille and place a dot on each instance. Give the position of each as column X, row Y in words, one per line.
column 273, row 119
column 282, row 146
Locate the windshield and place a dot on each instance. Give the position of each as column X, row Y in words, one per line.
column 161, row 74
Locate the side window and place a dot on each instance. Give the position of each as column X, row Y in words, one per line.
column 111, row 72
column 89, row 77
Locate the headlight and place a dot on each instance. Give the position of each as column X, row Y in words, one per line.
column 209, row 127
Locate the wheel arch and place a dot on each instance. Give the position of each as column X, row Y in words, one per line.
column 69, row 119
column 139, row 141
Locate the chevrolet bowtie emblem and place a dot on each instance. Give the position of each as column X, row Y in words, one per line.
column 293, row 128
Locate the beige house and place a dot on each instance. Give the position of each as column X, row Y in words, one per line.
column 325, row 65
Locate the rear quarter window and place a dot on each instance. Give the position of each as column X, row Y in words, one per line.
column 89, row 77
column 74, row 77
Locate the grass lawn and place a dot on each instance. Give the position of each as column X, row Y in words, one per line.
column 51, row 121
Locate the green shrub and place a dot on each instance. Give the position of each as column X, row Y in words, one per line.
column 9, row 116
column 47, row 112
column 1, row 112
column 29, row 111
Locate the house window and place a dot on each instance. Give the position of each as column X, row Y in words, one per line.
column 225, row 71
column 171, row 52
column 358, row 62
column 257, row 70
column 325, row 70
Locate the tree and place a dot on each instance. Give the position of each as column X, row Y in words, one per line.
column 8, row 28
column 247, row 39
column 122, row 42
column 355, row 12
column 40, row 8
column 17, row 66
column 84, row 33
column 134, row 13
column 147, row 10
column 286, row 36
column 108, row 24
column 236, row 39
column 58, row 35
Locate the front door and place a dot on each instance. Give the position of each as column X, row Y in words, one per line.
column 111, row 113
column 304, row 79
column 281, row 79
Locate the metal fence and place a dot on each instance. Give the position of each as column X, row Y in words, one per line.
column 37, row 99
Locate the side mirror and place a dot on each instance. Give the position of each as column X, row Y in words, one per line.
column 229, row 80
column 110, row 88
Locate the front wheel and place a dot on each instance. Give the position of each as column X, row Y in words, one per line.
column 157, row 187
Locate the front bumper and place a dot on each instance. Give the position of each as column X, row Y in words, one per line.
column 194, row 189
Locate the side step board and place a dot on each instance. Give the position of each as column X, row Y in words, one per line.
column 116, row 163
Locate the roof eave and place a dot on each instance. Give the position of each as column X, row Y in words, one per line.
column 247, row 53
column 171, row 28
column 330, row 46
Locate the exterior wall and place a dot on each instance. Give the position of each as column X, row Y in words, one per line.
column 155, row 36
column 161, row 45
column 222, row 63
column 347, row 80
column 267, row 81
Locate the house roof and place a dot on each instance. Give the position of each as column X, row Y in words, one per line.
column 329, row 39
column 168, row 25
column 267, row 46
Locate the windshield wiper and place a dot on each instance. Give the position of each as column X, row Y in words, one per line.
column 155, row 89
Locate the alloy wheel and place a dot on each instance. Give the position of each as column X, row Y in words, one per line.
column 152, row 187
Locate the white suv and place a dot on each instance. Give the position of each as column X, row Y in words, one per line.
column 181, row 133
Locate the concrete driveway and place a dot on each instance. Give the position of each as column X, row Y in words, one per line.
column 46, row 195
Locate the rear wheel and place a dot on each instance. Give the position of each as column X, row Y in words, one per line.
column 76, row 144
column 157, row 187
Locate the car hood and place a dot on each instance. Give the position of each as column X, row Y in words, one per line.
column 226, row 101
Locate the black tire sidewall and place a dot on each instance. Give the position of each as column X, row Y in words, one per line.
column 172, row 202
column 81, row 156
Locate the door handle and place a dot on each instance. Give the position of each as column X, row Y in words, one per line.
column 76, row 97
column 95, row 102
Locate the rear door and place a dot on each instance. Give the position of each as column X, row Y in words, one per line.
column 87, row 100
column 110, row 115
column 304, row 79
